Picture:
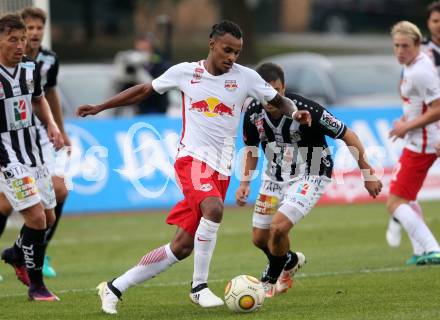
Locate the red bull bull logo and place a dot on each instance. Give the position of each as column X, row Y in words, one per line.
column 212, row 107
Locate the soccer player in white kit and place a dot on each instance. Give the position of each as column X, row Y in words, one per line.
column 213, row 92
column 430, row 46
column 420, row 91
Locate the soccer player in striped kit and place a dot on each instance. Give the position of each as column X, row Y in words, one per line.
column 213, row 93
column 299, row 168
column 35, row 19
column 24, row 179
column 420, row 91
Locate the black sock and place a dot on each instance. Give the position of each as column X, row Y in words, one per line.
column 266, row 251
column 32, row 245
column 292, row 260
column 276, row 265
column 3, row 220
column 18, row 252
column 50, row 231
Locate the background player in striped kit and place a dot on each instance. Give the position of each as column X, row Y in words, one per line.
column 213, row 93
column 24, row 178
column 420, row 91
column 35, row 19
column 299, row 167
column 431, row 44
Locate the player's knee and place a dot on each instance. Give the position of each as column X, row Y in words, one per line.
column 392, row 204
column 50, row 217
column 212, row 209
column 5, row 208
column 61, row 193
column 182, row 245
column 35, row 217
column 278, row 231
column 182, row 249
column 60, row 190
column 259, row 241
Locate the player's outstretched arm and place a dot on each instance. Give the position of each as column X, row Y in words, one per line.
column 288, row 108
column 250, row 161
column 371, row 182
column 127, row 97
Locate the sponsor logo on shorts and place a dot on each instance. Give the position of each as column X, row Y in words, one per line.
column 12, row 172
column 205, row 187
column 266, row 205
column 41, row 172
column 272, row 187
column 24, row 187
column 303, row 188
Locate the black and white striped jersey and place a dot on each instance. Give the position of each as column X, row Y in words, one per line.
column 433, row 51
column 292, row 149
column 47, row 61
column 19, row 138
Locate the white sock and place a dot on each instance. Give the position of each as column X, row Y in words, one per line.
column 204, row 245
column 149, row 266
column 416, row 228
column 418, row 249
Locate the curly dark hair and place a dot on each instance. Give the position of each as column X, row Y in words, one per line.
column 224, row 27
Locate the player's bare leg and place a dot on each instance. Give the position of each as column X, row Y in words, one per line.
column 149, row 266
column 204, row 245
column 295, row 260
column 5, row 212
column 279, row 245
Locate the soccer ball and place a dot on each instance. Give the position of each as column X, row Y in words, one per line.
column 244, row 294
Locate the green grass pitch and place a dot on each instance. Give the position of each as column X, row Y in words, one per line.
column 350, row 273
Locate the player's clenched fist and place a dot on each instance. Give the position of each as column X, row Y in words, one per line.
column 87, row 110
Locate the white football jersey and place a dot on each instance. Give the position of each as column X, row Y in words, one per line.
column 211, row 108
column 419, row 87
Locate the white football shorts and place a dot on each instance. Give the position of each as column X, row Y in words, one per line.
column 25, row 186
column 293, row 198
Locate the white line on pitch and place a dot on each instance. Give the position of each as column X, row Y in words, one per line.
column 185, row 283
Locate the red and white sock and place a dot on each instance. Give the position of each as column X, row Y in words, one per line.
column 149, row 266
column 204, row 245
column 416, row 228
